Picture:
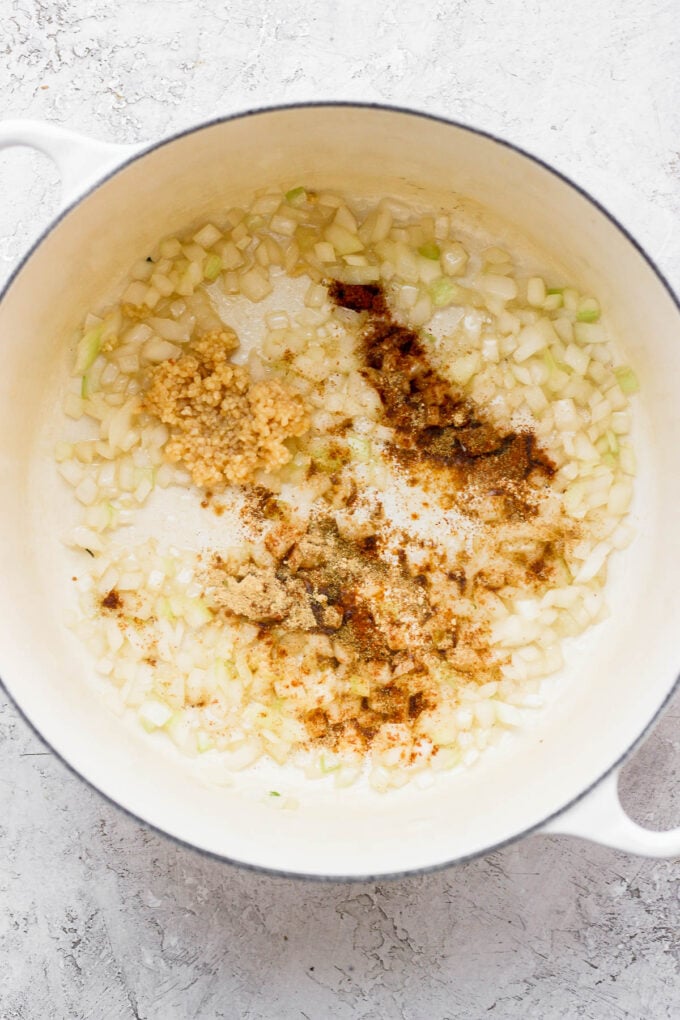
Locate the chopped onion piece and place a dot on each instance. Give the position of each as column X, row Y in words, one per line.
column 627, row 380
column 430, row 250
column 344, row 242
column 588, row 311
column 499, row 286
column 536, row 293
column 88, row 349
column 589, row 333
column 529, row 342
column 207, row 236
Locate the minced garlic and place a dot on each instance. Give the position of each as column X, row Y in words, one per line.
column 224, row 427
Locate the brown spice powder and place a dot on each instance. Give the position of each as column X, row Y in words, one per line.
column 442, row 433
column 388, row 626
column 112, row 601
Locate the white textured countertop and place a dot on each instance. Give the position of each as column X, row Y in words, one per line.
column 100, row 918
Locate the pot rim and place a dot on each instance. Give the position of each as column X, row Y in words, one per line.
column 448, row 122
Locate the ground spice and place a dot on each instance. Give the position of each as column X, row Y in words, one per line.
column 353, row 598
column 376, row 614
column 437, row 430
column 112, row 601
column 364, row 297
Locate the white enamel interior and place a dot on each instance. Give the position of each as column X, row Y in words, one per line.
column 616, row 679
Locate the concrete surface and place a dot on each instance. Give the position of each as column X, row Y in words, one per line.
column 100, row 918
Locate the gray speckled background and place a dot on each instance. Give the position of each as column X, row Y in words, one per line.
column 100, row 918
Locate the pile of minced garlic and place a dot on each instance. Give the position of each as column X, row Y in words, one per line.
column 224, row 426
column 421, row 474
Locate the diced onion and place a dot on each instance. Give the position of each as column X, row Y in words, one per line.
column 532, row 357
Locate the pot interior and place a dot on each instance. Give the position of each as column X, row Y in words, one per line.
column 616, row 676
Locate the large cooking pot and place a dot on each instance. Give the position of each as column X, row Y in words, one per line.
column 558, row 775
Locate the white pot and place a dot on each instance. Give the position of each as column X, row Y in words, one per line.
column 560, row 774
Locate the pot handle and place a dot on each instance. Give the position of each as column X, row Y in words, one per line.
column 79, row 159
column 600, row 818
